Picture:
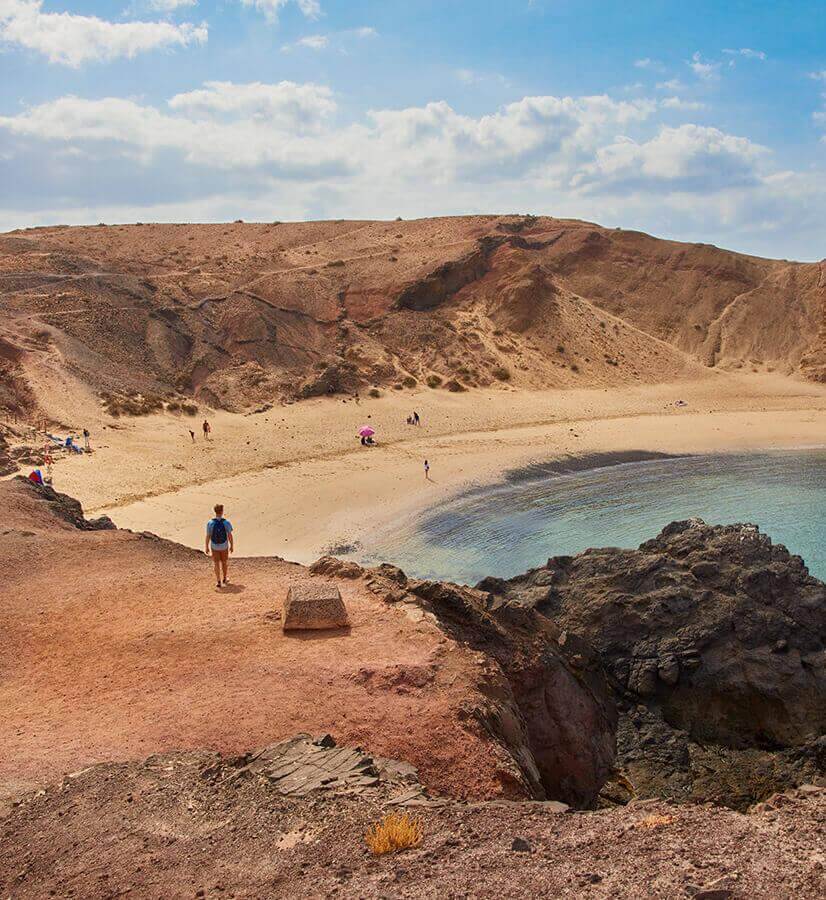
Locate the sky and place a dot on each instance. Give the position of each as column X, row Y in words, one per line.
column 701, row 121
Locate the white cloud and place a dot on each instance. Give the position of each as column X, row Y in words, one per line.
column 288, row 145
column 72, row 40
column 818, row 76
column 268, row 151
column 691, row 157
column 171, row 5
column 679, row 103
column 673, row 84
column 746, row 52
column 271, row 8
column 471, row 76
column 648, row 63
column 323, row 41
column 282, row 105
column 311, row 42
column 705, row 71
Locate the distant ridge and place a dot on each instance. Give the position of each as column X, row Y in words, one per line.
column 239, row 315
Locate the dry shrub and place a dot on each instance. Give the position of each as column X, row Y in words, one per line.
column 654, row 821
column 455, row 386
column 374, row 392
column 189, row 408
column 395, row 832
column 501, row 373
column 433, row 381
column 409, row 381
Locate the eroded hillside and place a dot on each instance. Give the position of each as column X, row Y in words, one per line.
column 237, row 315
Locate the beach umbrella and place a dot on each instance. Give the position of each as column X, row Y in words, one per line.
column 366, row 431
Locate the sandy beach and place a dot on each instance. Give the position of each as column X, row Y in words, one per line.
column 297, row 483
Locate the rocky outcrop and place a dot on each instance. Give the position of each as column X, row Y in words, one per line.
column 550, row 706
column 443, row 282
column 64, row 507
column 714, row 639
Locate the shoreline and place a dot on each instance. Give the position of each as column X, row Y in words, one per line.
column 298, row 504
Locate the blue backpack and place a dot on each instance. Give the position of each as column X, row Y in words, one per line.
column 219, row 531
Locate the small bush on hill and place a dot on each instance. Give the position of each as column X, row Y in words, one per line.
column 501, row 373
column 434, row 381
column 395, row 832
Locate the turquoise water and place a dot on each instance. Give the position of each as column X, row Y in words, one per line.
column 507, row 528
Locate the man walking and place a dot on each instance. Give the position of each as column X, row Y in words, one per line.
column 207, row 429
column 219, row 541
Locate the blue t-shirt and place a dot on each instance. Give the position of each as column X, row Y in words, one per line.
column 210, row 526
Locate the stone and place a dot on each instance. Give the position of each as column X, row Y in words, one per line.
column 520, row 845
column 668, row 669
column 314, row 606
column 705, row 569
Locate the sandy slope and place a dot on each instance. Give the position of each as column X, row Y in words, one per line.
column 238, row 314
column 295, row 479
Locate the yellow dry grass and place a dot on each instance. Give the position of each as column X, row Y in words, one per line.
column 655, row 821
column 395, row 832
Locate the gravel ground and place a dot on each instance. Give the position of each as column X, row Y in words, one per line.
column 179, row 826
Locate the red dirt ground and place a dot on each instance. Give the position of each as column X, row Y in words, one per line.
column 118, row 645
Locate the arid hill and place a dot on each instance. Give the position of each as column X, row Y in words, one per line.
column 238, row 315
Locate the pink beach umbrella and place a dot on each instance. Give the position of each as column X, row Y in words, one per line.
column 366, row 431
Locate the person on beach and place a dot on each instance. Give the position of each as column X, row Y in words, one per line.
column 207, row 429
column 220, row 542
column 427, row 470
column 192, row 435
column 86, row 436
column 416, row 419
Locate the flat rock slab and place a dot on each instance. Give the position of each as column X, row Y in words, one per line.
column 314, row 606
column 300, row 765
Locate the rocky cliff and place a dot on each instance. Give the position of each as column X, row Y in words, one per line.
column 693, row 667
column 714, row 641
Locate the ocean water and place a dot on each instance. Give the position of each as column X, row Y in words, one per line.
column 506, row 528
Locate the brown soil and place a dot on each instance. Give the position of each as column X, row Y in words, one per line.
column 118, row 644
column 177, row 826
column 239, row 314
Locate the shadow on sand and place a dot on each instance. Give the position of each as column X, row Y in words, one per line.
column 231, row 589
column 318, row 634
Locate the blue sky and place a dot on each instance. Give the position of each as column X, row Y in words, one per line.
column 702, row 121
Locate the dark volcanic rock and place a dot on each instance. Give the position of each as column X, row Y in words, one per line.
column 714, row 638
column 561, row 730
